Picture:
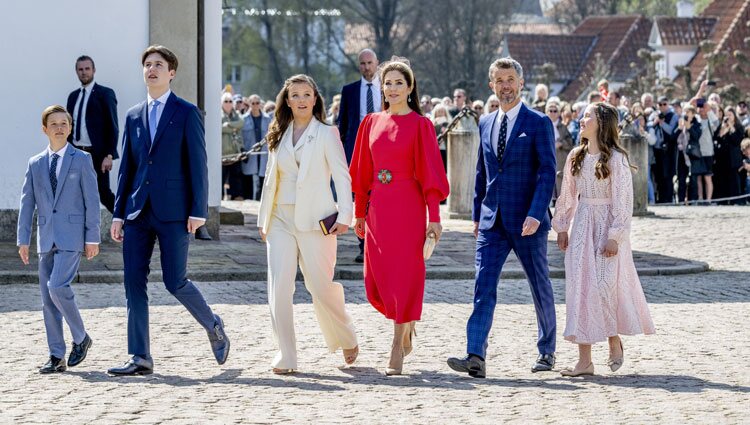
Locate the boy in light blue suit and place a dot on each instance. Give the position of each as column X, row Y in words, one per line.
column 61, row 186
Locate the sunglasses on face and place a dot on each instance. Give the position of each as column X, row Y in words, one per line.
column 553, row 111
column 227, row 101
column 663, row 104
column 255, row 103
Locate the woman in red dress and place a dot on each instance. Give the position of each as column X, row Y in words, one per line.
column 397, row 178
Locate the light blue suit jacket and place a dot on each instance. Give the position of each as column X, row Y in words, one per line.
column 70, row 218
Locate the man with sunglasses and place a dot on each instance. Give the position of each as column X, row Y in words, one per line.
column 665, row 150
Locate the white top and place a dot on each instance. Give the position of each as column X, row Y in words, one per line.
column 512, row 115
column 85, row 140
column 376, row 100
column 61, row 154
column 289, row 161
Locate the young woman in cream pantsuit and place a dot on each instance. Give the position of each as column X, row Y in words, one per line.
column 304, row 154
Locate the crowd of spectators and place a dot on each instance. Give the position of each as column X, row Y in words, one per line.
column 698, row 148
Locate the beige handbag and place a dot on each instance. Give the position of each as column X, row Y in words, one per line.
column 429, row 246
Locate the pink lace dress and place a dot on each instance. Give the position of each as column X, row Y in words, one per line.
column 603, row 295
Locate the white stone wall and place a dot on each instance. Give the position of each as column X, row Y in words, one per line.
column 41, row 40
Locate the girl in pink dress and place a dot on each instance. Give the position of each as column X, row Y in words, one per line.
column 398, row 181
column 604, row 298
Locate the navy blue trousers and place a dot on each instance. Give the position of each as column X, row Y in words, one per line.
column 138, row 245
column 493, row 247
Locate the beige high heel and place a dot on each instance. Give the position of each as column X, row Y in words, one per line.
column 616, row 364
column 408, row 347
column 389, row 371
column 351, row 357
column 279, row 371
column 589, row 370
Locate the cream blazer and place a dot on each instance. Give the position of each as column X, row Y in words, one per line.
column 322, row 159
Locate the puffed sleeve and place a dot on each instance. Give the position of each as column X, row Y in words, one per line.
column 622, row 197
column 429, row 170
column 361, row 168
column 567, row 201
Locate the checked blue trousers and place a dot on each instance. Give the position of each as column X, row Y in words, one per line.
column 493, row 247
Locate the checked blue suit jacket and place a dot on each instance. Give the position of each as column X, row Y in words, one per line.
column 173, row 174
column 521, row 184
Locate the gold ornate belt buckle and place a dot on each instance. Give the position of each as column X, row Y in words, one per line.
column 385, row 176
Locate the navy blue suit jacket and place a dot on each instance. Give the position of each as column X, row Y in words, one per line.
column 348, row 120
column 521, row 184
column 101, row 120
column 173, row 174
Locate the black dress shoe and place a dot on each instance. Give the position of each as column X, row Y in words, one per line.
column 219, row 341
column 360, row 258
column 78, row 354
column 54, row 364
column 471, row 364
column 544, row 363
column 202, row 234
column 135, row 366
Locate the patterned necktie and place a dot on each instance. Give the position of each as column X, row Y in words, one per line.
column 53, row 173
column 501, row 137
column 79, row 115
column 152, row 119
column 370, row 103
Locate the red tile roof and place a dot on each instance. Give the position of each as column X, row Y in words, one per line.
column 729, row 33
column 684, row 31
column 565, row 51
column 618, row 39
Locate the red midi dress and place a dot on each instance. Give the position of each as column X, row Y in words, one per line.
column 397, row 178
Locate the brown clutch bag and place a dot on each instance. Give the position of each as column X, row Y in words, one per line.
column 327, row 223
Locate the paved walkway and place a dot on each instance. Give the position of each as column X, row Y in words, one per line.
column 693, row 371
column 240, row 255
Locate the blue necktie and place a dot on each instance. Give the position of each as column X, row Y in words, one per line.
column 370, row 103
column 53, row 173
column 79, row 115
column 152, row 124
column 501, row 138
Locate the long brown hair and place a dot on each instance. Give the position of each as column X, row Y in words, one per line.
column 608, row 134
column 283, row 114
column 413, row 99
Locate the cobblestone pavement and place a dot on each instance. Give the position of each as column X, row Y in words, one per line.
column 692, row 371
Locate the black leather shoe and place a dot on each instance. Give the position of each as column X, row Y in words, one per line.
column 544, row 363
column 79, row 351
column 219, row 341
column 360, row 258
column 473, row 365
column 135, row 366
column 53, row 365
column 202, row 234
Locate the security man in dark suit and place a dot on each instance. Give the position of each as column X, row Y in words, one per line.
column 95, row 129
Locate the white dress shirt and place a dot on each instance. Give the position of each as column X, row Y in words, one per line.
column 159, row 109
column 512, row 115
column 61, row 154
column 85, row 140
column 376, row 99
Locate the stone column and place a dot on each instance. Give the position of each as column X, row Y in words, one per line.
column 463, row 145
column 637, row 148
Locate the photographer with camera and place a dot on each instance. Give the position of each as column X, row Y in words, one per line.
column 664, row 121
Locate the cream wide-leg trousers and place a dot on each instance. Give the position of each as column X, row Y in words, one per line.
column 316, row 254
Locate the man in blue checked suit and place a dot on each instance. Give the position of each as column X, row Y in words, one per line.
column 60, row 185
column 513, row 189
column 162, row 193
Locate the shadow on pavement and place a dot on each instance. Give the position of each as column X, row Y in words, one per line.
column 671, row 383
column 369, row 376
